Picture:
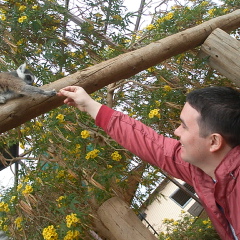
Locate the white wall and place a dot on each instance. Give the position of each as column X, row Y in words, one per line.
column 164, row 207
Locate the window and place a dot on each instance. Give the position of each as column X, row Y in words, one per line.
column 181, row 197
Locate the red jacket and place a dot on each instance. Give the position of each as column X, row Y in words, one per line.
column 164, row 152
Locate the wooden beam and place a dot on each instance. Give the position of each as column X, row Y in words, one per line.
column 223, row 54
column 18, row 111
column 122, row 222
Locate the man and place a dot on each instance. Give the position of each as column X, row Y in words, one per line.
column 207, row 155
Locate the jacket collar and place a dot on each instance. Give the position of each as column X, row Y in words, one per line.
column 229, row 164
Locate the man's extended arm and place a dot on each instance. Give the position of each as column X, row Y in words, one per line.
column 78, row 97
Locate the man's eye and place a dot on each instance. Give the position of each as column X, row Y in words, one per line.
column 183, row 125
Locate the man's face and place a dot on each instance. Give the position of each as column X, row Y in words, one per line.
column 194, row 149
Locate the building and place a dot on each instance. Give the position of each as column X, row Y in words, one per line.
column 167, row 202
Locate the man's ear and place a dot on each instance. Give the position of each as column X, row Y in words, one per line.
column 216, row 142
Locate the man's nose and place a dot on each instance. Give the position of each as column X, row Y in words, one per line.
column 176, row 132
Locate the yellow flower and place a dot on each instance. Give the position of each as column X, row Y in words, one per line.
column 211, row 11
column 151, row 69
column 116, row 156
column 169, row 16
column 39, row 124
column 109, row 166
column 92, row 154
column 98, row 15
column 204, row 3
column 5, row 228
column 22, row 8
column 2, row 10
column 72, row 220
column 154, row 113
column 60, row 117
column 13, row 198
column 19, row 187
column 2, row 17
column 60, row 174
column 72, row 235
column 49, row 233
column 160, row 20
column 25, row 179
column 28, row 189
column 20, row 42
column 34, row 7
column 85, row 134
column 167, row 88
column 22, row 19
column 4, row 207
column 157, row 103
column 117, row 17
column 18, row 222
column 150, row 27
column 59, row 200
column 39, row 180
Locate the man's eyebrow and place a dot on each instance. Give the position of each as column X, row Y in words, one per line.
column 182, row 121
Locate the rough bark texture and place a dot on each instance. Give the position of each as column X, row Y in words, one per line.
column 122, row 221
column 223, row 53
column 18, row 111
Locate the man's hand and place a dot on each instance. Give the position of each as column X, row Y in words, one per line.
column 78, row 97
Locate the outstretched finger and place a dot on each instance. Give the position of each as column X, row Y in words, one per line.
column 66, row 93
column 70, row 88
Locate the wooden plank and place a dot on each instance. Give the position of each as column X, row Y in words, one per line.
column 122, row 222
column 223, row 54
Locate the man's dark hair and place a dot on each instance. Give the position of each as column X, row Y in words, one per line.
column 219, row 109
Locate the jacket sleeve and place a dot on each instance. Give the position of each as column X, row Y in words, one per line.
column 144, row 142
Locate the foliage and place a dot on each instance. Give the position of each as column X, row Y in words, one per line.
column 188, row 228
column 68, row 165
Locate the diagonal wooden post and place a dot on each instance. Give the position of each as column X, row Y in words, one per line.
column 223, row 54
column 122, row 222
column 18, row 111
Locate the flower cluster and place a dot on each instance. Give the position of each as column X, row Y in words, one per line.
column 28, row 189
column 92, row 154
column 18, row 222
column 85, row 134
column 22, row 8
column 188, row 227
column 4, row 207
column 167, row 88
column 22, row 19
column 150, row 27
column 72, row 235
column 59, row 200
column 72, row 220
column 2, row 17
column 50, row 233
column 116, row 156
column 154, row 113
column 60, row 117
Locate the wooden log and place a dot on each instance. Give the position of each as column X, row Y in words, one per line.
column 223, row 54
column 122, row 222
